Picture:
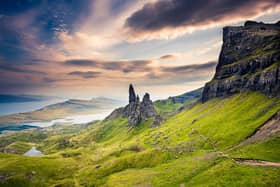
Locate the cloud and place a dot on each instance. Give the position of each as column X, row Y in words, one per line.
column 144, row 71
column 138, row 66
column 168, row 57
column 81, row 62
column 19, row 68
column 171, row 75
column 125, row 66
column 135, row 66
column 49, row 80
column 176, row 17
column 86, row 75
column 190, row 68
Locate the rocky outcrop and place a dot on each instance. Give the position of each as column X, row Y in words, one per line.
column 135, row 111
column 157, row 121
column 249, row 60
column 147, row 107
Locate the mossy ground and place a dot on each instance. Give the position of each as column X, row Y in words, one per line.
column 188, row 148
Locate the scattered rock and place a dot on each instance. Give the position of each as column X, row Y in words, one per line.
column 3, row 178
column 193, row 121
column 157, row 121
column 64, row 143
column 30, row 175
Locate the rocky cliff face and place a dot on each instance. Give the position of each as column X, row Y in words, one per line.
column 135, row 111
column 249, row 60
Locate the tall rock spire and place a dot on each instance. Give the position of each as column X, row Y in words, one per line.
column 132, row 95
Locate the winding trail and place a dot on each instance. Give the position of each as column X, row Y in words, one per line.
column 256, row 162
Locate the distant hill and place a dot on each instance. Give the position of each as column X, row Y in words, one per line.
column 174, row 103
column 60, row 110
column 195, row 94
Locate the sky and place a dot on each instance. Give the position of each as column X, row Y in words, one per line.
column 92, row 48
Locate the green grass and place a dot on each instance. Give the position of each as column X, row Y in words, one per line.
column 18, row 147
column 34, row 137
column 268, row 150
column 30, row 171
column 167, row 174
column 164, row 107
column 229, row 173
column 222, row 123
column 183, row 150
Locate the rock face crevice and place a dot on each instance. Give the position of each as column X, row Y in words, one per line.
column 135, row 111
column 249, row 60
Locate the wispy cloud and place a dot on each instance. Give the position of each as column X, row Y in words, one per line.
column 81, row 62
column 168, row 57
column 19, row 68
column 125, row 66
column 190, row 68
column 87, row 74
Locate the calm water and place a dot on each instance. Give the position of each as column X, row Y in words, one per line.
column 76, row 119
column 33, row 152
column 16, row 128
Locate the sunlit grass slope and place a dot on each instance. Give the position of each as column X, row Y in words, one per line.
column 228, row 173
column 268, row 150
column 188, row 148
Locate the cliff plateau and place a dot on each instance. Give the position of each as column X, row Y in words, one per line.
column 249, row 60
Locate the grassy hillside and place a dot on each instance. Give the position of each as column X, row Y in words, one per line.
column 194, row 147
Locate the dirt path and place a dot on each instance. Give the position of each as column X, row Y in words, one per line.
column 256, row 162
